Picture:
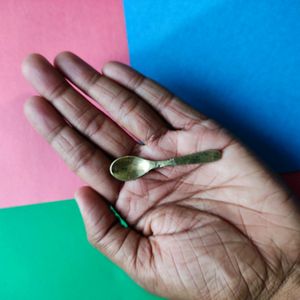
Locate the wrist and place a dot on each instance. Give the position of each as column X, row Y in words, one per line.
column 290, row 287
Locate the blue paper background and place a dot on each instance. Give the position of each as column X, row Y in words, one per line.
column 237, row 61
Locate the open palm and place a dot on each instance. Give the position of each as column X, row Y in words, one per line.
column 224, row 230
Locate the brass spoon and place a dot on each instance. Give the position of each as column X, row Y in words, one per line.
column 127, row 168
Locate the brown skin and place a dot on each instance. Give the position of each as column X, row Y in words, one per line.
column 224, row 230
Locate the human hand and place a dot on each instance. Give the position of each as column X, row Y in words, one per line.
column 226, row 230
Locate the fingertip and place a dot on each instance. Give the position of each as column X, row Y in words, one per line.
column 121, row 73
column 27, row 106
column 85, row 196
column 64, row 57
column 29, row 62
column 110, row 67
column 82, row 192
column 31, row 105
column 42, row 115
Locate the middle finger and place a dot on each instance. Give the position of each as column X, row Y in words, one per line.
column 125, row 107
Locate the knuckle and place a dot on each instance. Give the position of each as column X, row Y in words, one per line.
column 153, row 138
column 128, row 104
column 90, row 122
column 95, row 126
column 93, row 80
column 84, row 118
column 97, row 235
column 136, row 81
column 93, row 239
column 80, row 156
column 77, row 154
column 55, row 134
column 165, row 99
column 58, row 91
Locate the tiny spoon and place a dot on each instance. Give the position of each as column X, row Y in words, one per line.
column 127, row 168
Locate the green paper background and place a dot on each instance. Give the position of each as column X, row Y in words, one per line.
column 44, row 254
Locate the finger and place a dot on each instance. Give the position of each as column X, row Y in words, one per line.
column 84, row 158
column 75, row 108
column 125, row 107
column 104, row 231
column 176, row 112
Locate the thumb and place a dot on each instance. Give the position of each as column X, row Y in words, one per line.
column 105, row 232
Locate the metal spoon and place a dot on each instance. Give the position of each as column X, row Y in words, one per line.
column 127, row 168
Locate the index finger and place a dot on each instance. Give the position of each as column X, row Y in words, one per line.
column 176, row 112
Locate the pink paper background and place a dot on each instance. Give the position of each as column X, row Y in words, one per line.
column 31, row 172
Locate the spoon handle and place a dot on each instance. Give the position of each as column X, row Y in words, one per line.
column 195, row 158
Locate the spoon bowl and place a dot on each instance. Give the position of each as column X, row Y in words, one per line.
column 130, row 167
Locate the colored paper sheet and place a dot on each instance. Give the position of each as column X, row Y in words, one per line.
column 44, row 252
column 237, row 61
column 30, row 171
column 44, row 255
